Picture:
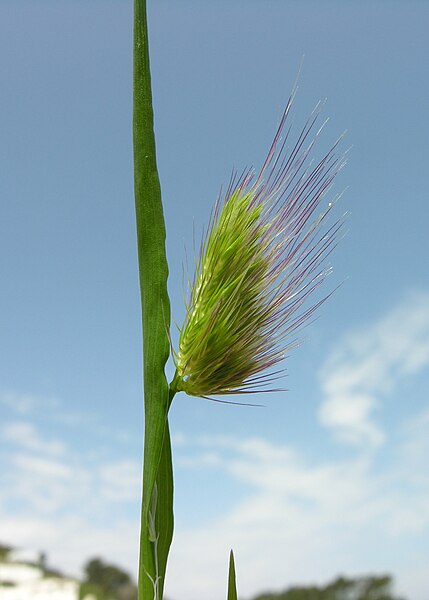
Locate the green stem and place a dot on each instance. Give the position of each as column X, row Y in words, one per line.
column 174, row 386
column 157, row 499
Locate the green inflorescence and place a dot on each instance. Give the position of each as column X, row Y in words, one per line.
column 219, row 343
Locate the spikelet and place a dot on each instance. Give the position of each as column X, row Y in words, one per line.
column 262, row 257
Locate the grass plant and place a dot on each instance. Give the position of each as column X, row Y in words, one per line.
column 261, row 261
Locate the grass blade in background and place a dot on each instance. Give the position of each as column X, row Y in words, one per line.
column 232, row 587
column 157, row 501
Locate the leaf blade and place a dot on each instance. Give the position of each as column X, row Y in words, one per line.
column 232, row 585
column 153, row 271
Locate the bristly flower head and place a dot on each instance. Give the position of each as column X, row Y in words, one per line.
column 261, row 258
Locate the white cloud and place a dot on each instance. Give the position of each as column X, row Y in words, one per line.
column 121, row 480
column 51, row 499
column 368, row 365
column 44, row 476
column 25, row 435
column 71, row 540
column 26, row 404
column 42, row 467
column 302, row 521
column 42, row 485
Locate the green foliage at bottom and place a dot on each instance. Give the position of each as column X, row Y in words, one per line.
column 106, row 582
column 362, row 588
column 95, row 591
column 5, row 550
column 125, row 592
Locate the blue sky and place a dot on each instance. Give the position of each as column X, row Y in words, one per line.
column 330, row 477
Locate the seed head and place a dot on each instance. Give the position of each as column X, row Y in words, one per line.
column 261, row 258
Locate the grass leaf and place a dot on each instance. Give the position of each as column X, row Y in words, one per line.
column 232, row 588
column 157, row 501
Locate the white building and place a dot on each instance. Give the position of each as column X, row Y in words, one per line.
column 21, row 581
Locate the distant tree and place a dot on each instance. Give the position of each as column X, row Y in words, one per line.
column 42, row 561
column 5, row 550
column 361, row 588
column 110, row 582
